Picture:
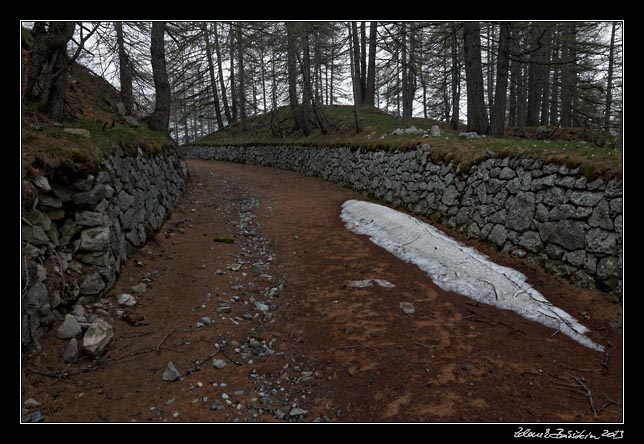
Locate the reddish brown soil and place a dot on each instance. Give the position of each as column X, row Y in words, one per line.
column 453, row 360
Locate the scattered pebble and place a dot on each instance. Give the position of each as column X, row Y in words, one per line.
column 218, row 363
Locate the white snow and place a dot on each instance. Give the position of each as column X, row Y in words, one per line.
column 371, row 283
column 456, row 267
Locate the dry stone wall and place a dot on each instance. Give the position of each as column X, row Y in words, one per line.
column 546, row 212
column 76, row 237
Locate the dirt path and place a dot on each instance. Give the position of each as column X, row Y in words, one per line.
column 300, row 343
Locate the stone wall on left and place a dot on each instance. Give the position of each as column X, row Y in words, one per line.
column 76, row 237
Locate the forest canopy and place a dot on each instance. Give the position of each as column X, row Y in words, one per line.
column 193, row 78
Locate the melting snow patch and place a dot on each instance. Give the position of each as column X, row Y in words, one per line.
column 371, row 283
column 456, row 267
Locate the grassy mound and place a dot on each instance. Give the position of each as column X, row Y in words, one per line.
column 277, row 129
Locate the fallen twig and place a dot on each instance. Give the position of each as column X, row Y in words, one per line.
column 231, row 359
column 494, row 321
column 425, row 345
column 166, row 337
column 191, row 370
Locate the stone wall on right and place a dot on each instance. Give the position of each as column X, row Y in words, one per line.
column 548, row 213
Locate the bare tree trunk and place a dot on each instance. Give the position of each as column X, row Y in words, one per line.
column 537, row 71
column 370, row 92
column 50, row 47
column 497, row 124
column 407, row 72
column 354, row 78
column 242, row 75
column 125, row 70
column 222, row 84
column 291, row 62
column 609, row 82
column 490, row 66
column 308, row 87
column 160, row 118
column 356, row 59
column 554, row 85
column 568, row 73
column 477, row 119
column 545, row 75
column 363, row 61
column 455, row 78
column 233, row 87
column 263, row 71
column 211, row 71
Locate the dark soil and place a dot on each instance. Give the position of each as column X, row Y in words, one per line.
column 340, row 353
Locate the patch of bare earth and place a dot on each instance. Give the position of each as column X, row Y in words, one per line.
column 336, row 352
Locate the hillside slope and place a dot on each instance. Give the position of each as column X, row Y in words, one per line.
column 90, row 105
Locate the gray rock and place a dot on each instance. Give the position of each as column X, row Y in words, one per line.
column 435, row 131
column 70, row 354
column 139, row 288
column 261, row 306
column 56, row 214
column 170, row 374
column 568, row 234
column 608, row 267
column 469, row 135
column 542, row 213
column 206, row 320
column 131, row 121
column 31, row 403
column 600, row 217
column 582, row 279
column 507, row 173
column 84, row 183
column 576, row 258
column 616, row 206
column 34, row 235
column 450, row 196
column 91, row 197
column 77, row 132
column 91, row 219
column 407, row 308
column 218, row 363
column 498, row 235
column 95, row 239
column 126, row 300
column 521, row 211
column 585, row 198
column 531, row 241
column 92, row 284
column 97, row 336
column 36, row 417
column 42, row 183
column 553, row 196
column 298, row 412
column 601, row 241
column 70, row 328
column 590, row 266
column 36, row 297
column 120, row 108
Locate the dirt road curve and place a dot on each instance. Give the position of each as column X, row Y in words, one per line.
column 299, row 343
